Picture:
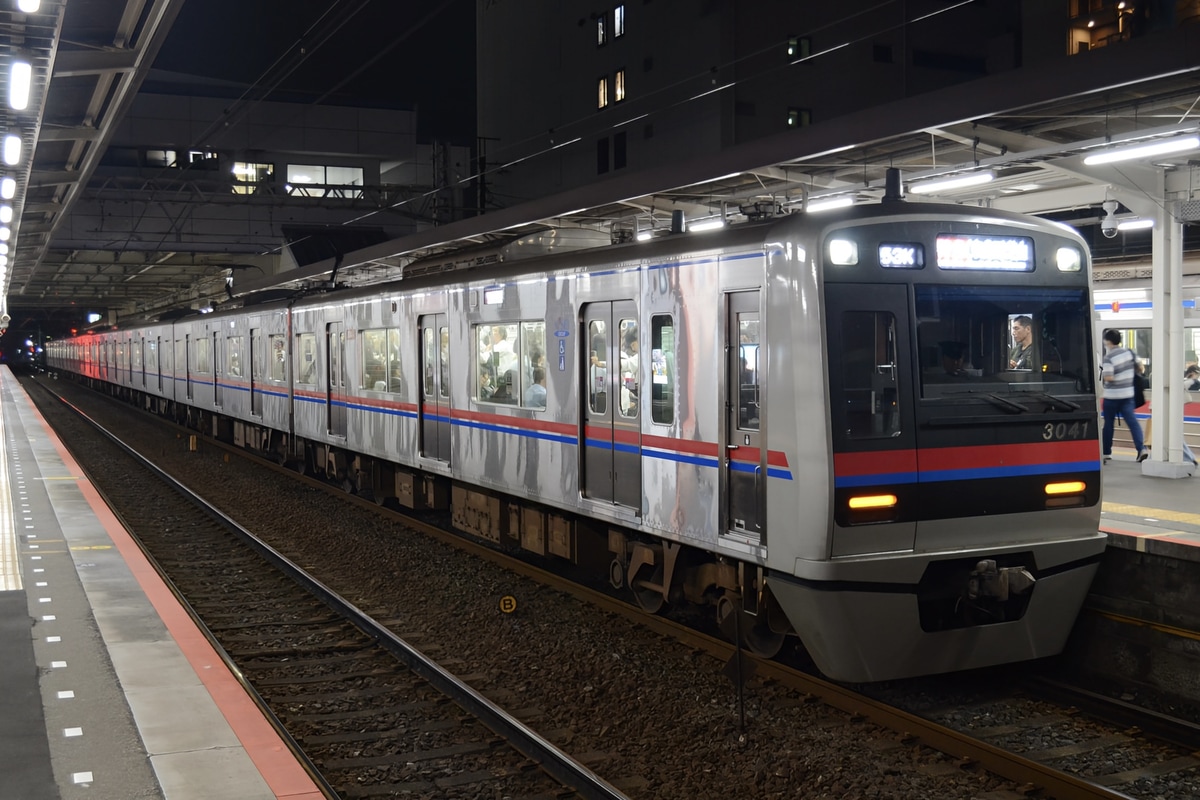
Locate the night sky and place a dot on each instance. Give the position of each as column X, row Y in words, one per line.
column 362, row 53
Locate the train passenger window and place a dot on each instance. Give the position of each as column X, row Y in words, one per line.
column 662, row 369
column 278, row 369
column 444, row 362
column 374, row 359
column 430, row 351
column 306, row 358
column 630, row 368
column 598, row 368
column 869, row 375
column 395, row 373
column 749, row 401
column 137, row 355
column 533, row 364
column 203, row 365
column 233, row 359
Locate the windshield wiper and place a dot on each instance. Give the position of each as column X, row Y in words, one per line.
column 1005, row 403
column 1055, row 402
column 994, row 399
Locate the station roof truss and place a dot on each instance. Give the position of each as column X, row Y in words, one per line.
column 89, row 60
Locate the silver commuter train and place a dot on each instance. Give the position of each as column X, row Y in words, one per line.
column 811, row 424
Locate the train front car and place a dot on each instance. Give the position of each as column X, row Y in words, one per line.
column 956, row 524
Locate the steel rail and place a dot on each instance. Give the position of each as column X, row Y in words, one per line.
column 552, row 760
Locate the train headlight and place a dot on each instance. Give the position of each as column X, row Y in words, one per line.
column 1069, row 259
column 843, row 252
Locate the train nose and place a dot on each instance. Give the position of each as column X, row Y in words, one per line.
column 989, row 582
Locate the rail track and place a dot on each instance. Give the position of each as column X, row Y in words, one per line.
column 365, row 710
column 1027, row 744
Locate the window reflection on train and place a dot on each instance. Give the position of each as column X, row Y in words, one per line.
column 979, row 339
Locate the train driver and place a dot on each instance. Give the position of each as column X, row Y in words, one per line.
column 1022, row 355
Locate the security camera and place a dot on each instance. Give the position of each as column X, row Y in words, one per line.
column 1108, row 225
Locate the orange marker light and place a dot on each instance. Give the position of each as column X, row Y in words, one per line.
column 873, row 501
column 1067, row 487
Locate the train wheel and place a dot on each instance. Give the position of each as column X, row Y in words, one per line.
column 755, row 636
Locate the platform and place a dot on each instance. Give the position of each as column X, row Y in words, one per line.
column 111, row 691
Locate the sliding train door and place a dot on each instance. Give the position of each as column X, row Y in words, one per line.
column 335, row 397
column 434, row 405
column 745, row 458
column 612, row 448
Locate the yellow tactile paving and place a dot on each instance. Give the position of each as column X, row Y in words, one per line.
column 1145, row 512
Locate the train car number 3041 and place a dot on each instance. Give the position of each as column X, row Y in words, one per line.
column 1063, row 431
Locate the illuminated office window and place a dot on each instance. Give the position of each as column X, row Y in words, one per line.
column 314, row 180
column 602, row 93
column 601, row 29
column 248, row 177
column 619, row 86
column 618, row 21
column 160, row 158
column 799, row 47
column 799, row 117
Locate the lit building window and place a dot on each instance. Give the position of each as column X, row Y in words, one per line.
column 248, row 177
column 799, row 47
column 160, row 158
column 799, row 117
column 602, row 93
column 203, row 159
column 619, row 86
column 601, row 29
column 313, row 180
column 618, row 21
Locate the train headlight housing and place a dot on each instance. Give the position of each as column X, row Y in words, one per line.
column 1069, row 259
column 843, row 252
column 1065, row 494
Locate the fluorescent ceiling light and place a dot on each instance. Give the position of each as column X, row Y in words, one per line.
column 949, row 184
column 1135, row 224
column 29, row 6
column 1145, row 150
column 706, row 225
column 644, row 236
column 12, row 149
column 5, row 233
column 20, row 74
column 6, row 213
column 8, row 188
column 828, row 204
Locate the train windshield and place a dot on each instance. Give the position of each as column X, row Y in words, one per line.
column 998, row 340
